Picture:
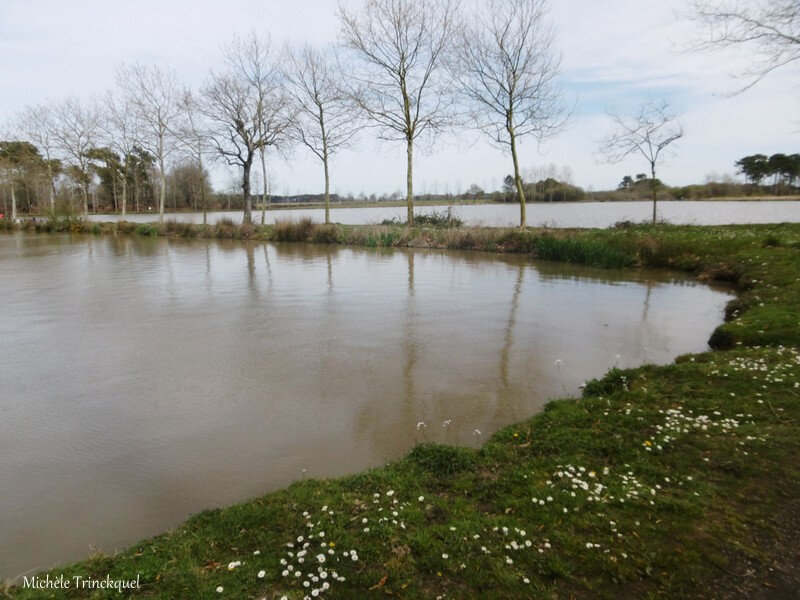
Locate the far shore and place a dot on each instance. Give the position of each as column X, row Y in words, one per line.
column 276, row 206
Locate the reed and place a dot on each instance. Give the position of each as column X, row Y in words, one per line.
column 301, row 230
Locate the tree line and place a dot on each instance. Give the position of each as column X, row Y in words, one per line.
column 780, row 171
column 409, row 70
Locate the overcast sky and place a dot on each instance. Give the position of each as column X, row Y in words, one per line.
column 616, row 54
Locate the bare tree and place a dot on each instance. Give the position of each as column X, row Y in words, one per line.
column 647, row 133
column 324, row 114
column 769, row 30
column 121, row 133
column 247, row 108
column 399, row 80
column 253, row 58
column 76, row 131
column 508, row 67
column 195, row 139
column 154, row 93
column 38, row 124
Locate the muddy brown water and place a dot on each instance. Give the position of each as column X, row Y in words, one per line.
column 551, row 214
column 143, row 380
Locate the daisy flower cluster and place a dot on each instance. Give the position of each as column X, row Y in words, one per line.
column 311, row 562
column 581, row 483
column 679, row 421
column 784, row 370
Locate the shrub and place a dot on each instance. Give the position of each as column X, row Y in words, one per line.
column 146, row 229
column 612, row 381
column 294, row 231
column 226, row 228
column 179, row 228
column 325, row 234
column 125, row 227
column 443, row 461
column 247, row 230
column 435, row 219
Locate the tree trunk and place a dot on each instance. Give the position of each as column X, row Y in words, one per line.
column 410, row 181
column 248, row 208
column 136, row 190
column 124, row 195
column 13, row 203
column 264, row 187
column 327, row 191
column 85, row 192
column 325, row 158
column 163, row 191
column 202, row 189
column 52, row 188
column 654, row 185
column 517, row 178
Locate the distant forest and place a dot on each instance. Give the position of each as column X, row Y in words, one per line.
column 775, row 175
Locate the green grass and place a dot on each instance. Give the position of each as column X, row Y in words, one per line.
column 672, row 481
column 146, row 229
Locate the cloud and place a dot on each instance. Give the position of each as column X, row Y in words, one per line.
column 616, row 54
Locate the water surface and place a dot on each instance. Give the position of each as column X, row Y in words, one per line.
column 557, row 214
column 147, row 379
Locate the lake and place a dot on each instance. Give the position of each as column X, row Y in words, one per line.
column 557, row 214
column 146, row 379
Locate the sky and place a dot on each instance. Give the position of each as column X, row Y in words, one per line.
column 617, row 54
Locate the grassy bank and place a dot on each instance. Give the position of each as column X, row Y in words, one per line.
column 674, row 481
